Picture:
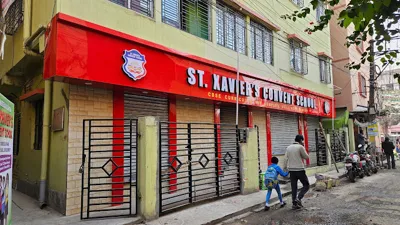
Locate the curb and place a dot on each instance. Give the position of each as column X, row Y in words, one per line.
column 255, row 207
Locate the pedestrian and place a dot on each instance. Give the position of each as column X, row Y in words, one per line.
column 361, row 139
column 388, row 148
column 271, row 181
column 295, row 154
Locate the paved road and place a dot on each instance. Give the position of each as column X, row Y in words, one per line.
column 373, row 200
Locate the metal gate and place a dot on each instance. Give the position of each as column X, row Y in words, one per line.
column 108, row 190
column 194, row 171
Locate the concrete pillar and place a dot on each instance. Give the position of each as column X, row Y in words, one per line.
column 157, row 10
column 346, row 142
column 249, row 163
column 148, row 168
column 213, row 31
column 248, row 40
column 352, row 141
column 328, row 152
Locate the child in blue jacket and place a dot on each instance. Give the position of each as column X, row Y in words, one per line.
column 271, row 181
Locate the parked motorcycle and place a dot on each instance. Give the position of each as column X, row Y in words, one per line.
column 370, row 164
column 364, row 160
column 370, row 160
column 354, row 167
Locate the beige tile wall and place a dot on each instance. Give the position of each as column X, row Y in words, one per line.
column 85, row 103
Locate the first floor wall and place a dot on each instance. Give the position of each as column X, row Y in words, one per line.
column 87, row 102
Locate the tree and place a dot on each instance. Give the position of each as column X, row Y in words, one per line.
column 368, row 18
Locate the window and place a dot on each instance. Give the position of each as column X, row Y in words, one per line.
column 299, row 3
column 231, row 29
column 363, row 86
column 144, row 7
column 320, row 11
column 298, row 57
column 192, row 16
column 325, row 70
column 38, row 125
column 261, row 40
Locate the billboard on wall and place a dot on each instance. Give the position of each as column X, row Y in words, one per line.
column 6, row 155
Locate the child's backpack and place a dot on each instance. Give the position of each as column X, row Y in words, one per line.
column 271, row 178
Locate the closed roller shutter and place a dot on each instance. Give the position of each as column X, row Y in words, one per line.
column 284, row 128
column 228, row 138
column 228, row 115
column 312, row 125
column 138, row 106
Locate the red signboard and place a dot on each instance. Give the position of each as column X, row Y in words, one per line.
column 79, row 50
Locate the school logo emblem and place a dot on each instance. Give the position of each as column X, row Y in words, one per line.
column 134, row 64
column 327, row 108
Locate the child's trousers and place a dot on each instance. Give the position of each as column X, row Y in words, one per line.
column 278, row 191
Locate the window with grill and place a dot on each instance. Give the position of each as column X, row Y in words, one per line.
column 144, row 7
column 320, row 11
column 299, row 3
column 363, row 85
column 261, row 43
column 231, row 29
column 192, row 16
column 38, row 125
column 325, row 70
column 298, row 57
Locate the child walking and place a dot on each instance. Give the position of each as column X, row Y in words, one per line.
column 271, row 181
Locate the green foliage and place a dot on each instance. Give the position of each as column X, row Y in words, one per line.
column 367, row 18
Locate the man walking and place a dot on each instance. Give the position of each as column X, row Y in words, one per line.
column 295, row 154
column 388, row 148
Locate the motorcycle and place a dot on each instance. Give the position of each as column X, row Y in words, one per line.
column 365, row 162
column 371, row 165
column 354, row 167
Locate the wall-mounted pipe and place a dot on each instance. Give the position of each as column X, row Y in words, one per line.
column 48, row 95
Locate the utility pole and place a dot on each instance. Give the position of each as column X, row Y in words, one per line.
column 371, row 103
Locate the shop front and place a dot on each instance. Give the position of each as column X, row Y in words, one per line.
column 127, row 77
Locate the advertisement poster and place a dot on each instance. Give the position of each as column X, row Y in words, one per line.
column 6, row 154
column 373, row 129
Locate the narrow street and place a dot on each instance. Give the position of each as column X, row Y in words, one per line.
column 373, row 200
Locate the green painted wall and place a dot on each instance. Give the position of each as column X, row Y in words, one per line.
column 57, row 175
column 27, row 166
column 153, row 29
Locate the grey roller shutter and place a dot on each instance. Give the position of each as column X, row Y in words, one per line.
column 312, row 125
column 284, row 128
column 136, row 106
column 228, row 115
column 228, row 138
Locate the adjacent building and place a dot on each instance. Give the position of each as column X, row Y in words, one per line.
column 351, row 86
column 177, row 60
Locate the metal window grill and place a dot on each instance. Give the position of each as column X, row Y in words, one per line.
column 192, row 16
column 231, row 29
column 261, row 40
column 363, row 85
column 298, row 57
column 320, row 11
column 145, row 7
column 299, row 3
column 325, row 70
column 14, row 17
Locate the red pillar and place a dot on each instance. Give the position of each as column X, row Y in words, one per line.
column 249, row 117
column 118, row 135
column 269, row 138
column 217, row 121
column 300, row 124
column 172, row 142
column 305, row 125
